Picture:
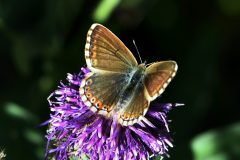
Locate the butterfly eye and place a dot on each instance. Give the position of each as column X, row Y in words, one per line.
column 89, row 95
column 87, row 89
column 99, row 104
column 105, row 107
column 93, row 100
column 89, row 82
column 126, row 116
column 93, row 54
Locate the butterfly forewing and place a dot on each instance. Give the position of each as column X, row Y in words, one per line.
column 158, row 76
column 106, row 52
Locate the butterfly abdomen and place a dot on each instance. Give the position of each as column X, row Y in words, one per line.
column 132, row 87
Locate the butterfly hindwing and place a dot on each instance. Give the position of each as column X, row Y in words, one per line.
column 158, row 76
column 136, row 108
column 100, row 91
column 106, row 52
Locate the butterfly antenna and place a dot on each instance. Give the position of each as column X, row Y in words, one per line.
column 137, row 51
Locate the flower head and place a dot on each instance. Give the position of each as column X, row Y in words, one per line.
column 76, row 131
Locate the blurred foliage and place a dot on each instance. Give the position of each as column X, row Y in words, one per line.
column 104, row 10
column 221, row 144
column 41, row 41
column 13, row 110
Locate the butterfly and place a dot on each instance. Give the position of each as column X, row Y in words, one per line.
column 117, row 86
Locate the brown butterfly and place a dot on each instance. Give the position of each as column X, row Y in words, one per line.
column 117, row 85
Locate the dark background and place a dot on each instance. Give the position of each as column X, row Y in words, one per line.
column 41, row 41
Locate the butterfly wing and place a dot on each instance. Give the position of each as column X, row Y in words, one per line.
column 158, row 76
column 100, row 91
column 137, row 107
column 104, row 51
column 110, row 61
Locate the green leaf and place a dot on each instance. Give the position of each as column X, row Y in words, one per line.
column 220, row 144
column 104, row 10
column 33, row 136
column 17, row 111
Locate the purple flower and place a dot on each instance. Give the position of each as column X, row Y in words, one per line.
column 75, row 131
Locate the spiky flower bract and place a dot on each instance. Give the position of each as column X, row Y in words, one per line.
column 75, row 131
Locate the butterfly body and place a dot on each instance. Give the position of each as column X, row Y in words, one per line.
column 117, row 86
column 134, row 85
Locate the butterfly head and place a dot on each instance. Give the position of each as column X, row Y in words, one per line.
column 142, row 66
